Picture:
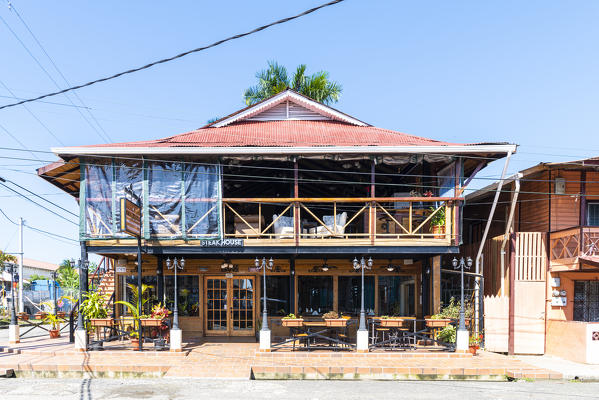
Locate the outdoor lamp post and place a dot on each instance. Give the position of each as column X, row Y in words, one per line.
column 462, row 333
column 362, row 264
column 264, row 265
column 13, row 311
column 80, row 333
column 175, row 265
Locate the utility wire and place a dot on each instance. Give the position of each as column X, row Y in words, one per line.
column 19, row 142
column 50, row 233
column 164, row 60
column 39, row 205
column 40, row 197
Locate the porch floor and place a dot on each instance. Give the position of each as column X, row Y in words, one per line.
column 224, row 358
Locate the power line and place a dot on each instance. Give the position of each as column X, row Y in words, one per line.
column 164, row 60
column 50, row 233
column 19, row 142
column 40, row 197
column 39, row 205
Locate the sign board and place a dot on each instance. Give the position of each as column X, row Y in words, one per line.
column 222, row 243
column 229, row 275
column 130, row 218
column 120, row 270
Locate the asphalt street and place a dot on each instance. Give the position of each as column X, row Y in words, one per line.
column 97, row 389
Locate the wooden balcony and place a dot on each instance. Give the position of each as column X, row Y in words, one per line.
column 388, row 221
column 568, row 245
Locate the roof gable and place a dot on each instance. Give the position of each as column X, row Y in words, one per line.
column 287, row 105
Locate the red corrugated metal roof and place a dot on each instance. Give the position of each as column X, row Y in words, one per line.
column 287, row 133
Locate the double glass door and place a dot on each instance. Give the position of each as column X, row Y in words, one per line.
column 229, row 307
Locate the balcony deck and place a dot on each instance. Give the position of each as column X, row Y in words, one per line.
column 567, row 246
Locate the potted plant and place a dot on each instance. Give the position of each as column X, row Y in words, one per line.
column 40, row 315
column 94, row 309
column 438, row 222
column 391, row 322
column 134, row 337
column 54, row 321
column 332, row 319
column 292, row 321
column 156, row 318
column 23, row 316
column 475, row 342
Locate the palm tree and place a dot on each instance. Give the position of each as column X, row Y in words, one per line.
column 274, row 79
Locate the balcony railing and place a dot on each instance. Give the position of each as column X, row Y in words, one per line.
column 332, row 221
column 568, row 244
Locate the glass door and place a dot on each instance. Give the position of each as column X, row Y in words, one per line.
column 230, row 306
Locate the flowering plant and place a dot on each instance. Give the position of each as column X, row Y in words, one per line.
column 475, row 341
column 159, row 312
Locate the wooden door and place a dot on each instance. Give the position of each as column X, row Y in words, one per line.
column 229, row 306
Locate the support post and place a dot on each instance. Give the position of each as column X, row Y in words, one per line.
column 21, row 304
column 160, row 279
column 81, row 333
column 13, row 329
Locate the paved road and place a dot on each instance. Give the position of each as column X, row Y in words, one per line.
column 98, row 389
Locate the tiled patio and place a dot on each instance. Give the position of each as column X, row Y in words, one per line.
column 228, row 359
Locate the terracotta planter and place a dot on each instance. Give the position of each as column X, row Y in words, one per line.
column 473, row 349
column 99, row 322
column 40, row 315
column 292, row 323
column 135, row 344
column 391, row 322
column 151, row 322
column 61, row 314
column 336, row 323
column 438, row 231
column 438, row 323
column 54, row 333
column 23, row 316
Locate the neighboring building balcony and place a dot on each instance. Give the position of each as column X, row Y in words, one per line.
column 570, row 248
column 385, row 221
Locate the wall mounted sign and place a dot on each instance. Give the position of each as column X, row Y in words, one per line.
column 130, row 217
column 222, row 243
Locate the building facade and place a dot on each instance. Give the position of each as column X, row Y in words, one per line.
column 288, row 179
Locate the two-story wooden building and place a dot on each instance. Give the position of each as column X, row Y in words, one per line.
column 542, row 293
column 288, row 179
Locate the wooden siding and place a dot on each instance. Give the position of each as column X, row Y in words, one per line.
column 534, row 208
column 288, row 110
column 531, row 256
column 565, row 209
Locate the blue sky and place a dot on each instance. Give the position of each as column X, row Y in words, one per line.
column 465, row 71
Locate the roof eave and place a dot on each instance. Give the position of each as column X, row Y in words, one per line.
column 225, row 150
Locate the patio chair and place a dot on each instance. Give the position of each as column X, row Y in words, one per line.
column 334, row 224
column 283, row 227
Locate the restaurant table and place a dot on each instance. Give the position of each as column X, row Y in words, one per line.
column 310, row 331
column 397, row 337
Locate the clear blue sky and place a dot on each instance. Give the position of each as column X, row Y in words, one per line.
column 468, row 71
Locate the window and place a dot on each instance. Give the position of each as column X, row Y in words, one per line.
column 277, row 295
column 189, row 294
column 350, row 294
column 586, row 301
column 315, row 294
column 397, row 295
column 148, row 298
column 593, row 214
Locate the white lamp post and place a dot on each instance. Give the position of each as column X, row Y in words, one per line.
column 264, row 332
column 462, row 333
column 176, row 334
column 362, row 334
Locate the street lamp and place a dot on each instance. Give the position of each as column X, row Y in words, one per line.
column 461, row 264
column 175, row 264
column 362, row 265
column 13, row 311
column 264, row 265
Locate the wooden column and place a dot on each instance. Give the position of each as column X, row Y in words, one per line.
column 583, row 198
column 292, row 285
column 372, row 219
column 436, row 284
column 296, row 209
column 512, row 299
column 160, row 279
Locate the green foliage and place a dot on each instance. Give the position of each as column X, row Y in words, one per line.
column 36, row 277
column 439, row 218
column 452, row 310
column 4, row 258
column 54, row 320
column 93, row 306
column 68, row 278
column 274, row 80
column 448, row 334
column 290, row 316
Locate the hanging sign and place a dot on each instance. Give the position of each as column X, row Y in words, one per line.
column 130, row 217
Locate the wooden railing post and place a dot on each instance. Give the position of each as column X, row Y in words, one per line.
column 296, row 222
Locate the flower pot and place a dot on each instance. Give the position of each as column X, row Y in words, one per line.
column 438, row 231
column 135, row 344
column 437, row 323
column 391, row 322
column 61, row 314
column 292, row 322
column 99, row 322
column 54, row 333
column 336, row 323
column 23, row 316
column 151, row 322
column 41, row 315
column 473, row 349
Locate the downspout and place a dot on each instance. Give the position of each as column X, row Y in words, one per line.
column 507, row 228
column 484, row 238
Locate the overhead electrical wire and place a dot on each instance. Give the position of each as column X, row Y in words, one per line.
column 40, row 197
column 164, row 60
